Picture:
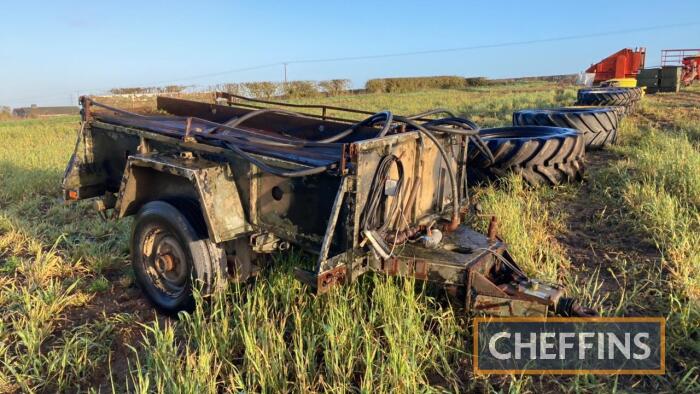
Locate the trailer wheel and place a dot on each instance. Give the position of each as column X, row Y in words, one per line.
column 170, row 257
column 598, row 124
column 543, row 155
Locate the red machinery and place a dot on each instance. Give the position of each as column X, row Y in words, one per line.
column 622, row 64
column 688, row 58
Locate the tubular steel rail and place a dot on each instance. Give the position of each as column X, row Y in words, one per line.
column 674, row 57
column 243, row 101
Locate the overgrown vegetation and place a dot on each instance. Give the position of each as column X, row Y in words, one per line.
column 5, row 112
column 414, row 84
column 73, row 320
column 291, row 89
column 334, row 87
column 260, row 89
column 149, row 90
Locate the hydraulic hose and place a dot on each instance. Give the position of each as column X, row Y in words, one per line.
column 472, row 133
column 385, row 115
column 273, row 170
column 483, row 148
column 267, row 140
column 455, row 121
column 442, row 129
column 450, row 171
column 370, row 219
column 431, row 112
column 236, row 122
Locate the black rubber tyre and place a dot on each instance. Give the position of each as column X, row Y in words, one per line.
column 170, row 256
column 543, row 155
column 619, row 110
column 604, row 96
column 597, row 124
column 636, row 93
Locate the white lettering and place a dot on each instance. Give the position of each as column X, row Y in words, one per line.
column 519, row 345
column 492, row 346
column 614, row 342
column 641, row 345
column 546, row 345
column 563, row 344
column 583, row 345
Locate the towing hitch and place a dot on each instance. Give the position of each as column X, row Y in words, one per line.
column 484, row 274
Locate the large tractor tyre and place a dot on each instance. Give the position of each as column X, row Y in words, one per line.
column 542, row 155
column 604, row 97
column 636, row 93
column 597, row 124
column 171, row 257
column 632, row 93
column 619, row 110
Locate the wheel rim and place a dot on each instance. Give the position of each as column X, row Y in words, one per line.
column 165, row 261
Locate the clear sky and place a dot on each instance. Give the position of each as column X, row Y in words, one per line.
column 50, row 51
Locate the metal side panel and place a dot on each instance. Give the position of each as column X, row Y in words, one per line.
column 150, row 177
column 421, row 161
column 96, row 164
column 221, row 203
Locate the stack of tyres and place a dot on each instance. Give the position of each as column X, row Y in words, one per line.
column 597, row 124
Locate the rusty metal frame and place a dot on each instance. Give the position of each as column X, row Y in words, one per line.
column 330, row 228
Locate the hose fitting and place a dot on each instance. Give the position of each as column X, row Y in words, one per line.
column 452, row 226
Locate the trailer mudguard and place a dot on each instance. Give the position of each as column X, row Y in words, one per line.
column 149, row 177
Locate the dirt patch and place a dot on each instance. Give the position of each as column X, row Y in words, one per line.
column 128, row 309
column 669, row 106
column 593, row 236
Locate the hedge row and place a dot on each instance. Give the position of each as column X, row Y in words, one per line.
column 293, row 89
column 298, row 89
column 149, row 90
column 412, row 84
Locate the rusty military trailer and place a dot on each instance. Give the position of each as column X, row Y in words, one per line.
column 214, row 188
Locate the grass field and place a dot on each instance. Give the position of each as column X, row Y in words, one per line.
column 626, row 240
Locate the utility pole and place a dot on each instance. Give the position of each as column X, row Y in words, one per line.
column 285, row 72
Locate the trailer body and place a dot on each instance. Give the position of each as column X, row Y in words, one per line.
column 215, row 176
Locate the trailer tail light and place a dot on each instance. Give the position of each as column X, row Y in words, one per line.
column 72, row 195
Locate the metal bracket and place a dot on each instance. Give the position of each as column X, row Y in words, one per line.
column 328, row 279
